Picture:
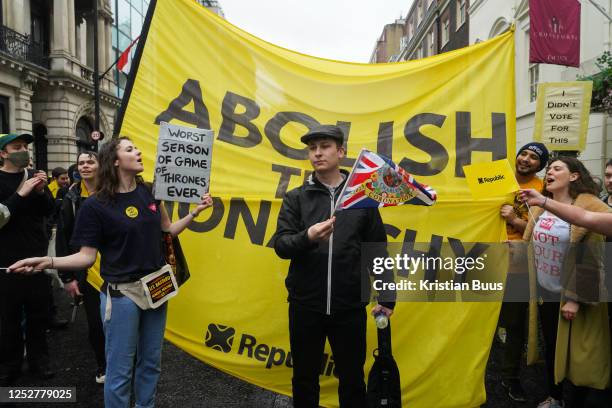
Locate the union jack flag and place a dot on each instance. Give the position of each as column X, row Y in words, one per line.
column 376, row 181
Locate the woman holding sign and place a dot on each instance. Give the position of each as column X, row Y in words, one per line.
column 124, row 222
column 566, row 272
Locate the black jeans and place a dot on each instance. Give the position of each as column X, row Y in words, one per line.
column 91, row 298
column 513, row 318
column 23, row 296
column 346, row 332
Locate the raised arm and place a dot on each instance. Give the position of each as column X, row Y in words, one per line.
column 179, row 226
column 594, row 221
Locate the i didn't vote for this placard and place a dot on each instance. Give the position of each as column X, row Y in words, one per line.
column 182, row 167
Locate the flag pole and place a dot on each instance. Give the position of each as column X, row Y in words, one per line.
column 120, row 55
column 601, row 9
column 96, row 78
column 363, row 149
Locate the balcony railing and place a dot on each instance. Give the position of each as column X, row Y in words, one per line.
column 22, row 47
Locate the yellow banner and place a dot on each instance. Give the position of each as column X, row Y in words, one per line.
column 562, row 114
column 492, row 179
column 433, row 116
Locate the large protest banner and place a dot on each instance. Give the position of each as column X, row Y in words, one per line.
column 432, row 116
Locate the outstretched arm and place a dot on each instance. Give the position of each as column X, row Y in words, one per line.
column 81, row 260
column 594, row 221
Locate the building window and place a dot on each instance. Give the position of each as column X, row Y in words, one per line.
column 127, row 24
column 445, row 31
column 4, row 115
column 534, row 78
column 420, row 12
column 40, row 147
column 432, row 44
column 461, row 12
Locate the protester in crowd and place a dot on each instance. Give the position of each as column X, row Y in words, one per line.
column 530, row 159
column 59, row 180
column 563, row 275
column 123, row 221
column 24, row 202
column 324, row 281
column 78, row 283
column 73, row 174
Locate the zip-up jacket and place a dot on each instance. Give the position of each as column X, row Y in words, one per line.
column 327, row 276
column 65, row 226
column 24, row 234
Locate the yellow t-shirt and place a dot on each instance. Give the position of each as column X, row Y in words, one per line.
column 93, row 273
column 520, row 208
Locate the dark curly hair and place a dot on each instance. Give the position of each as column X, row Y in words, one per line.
column 583, row 184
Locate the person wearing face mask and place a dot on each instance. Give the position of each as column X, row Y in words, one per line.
column 25, row 201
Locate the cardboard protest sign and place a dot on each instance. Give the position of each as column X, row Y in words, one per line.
column 182, row 166
column 562, row 114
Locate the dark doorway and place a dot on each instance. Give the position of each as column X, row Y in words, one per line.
column 83, row 135
column 40, row 147
column 4, row 115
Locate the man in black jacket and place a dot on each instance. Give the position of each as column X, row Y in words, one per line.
column 26, row 200
column 325, row 276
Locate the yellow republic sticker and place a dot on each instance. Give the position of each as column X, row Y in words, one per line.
column 131, row 211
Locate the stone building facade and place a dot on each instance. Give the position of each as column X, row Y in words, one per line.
column 431, row 27
column 46, row 76
column 489, row 18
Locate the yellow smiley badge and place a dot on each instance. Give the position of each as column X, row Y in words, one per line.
column 131, row 211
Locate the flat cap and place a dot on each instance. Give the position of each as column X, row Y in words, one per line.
column 324, row 131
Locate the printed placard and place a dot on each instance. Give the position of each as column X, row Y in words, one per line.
column 562, row 114
column 160, row 286
column 183, row 162
column 492, row 179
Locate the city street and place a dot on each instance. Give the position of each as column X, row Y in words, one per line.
column 187, row 382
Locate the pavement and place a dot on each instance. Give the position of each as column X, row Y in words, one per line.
column 187, row 382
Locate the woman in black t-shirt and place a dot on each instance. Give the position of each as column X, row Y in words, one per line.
column 124, row 222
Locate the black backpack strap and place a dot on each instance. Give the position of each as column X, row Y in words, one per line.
column 384, row 340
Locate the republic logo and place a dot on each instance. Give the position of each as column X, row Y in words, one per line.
column 482, row 180
column 219, row 337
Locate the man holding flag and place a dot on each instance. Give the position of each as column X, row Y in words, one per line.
column 324, row 280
